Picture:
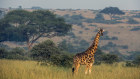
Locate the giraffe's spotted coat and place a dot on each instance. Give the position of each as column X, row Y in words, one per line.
column 87, row 57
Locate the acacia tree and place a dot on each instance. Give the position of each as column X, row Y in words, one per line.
column 112, row 11
column 30, row 26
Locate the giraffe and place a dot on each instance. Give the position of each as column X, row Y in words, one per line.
column 87, row 57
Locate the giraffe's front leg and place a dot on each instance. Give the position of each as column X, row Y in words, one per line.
column 90, row 67
column 86, row 69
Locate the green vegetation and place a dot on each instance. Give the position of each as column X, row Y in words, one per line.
column 112, row 11
column 16, row 53
column 137, row 15
column 99, row 16
column 110, row 58
column 74, row 19
column 108, row 21
column 111, row 44
column 15, row 69
column 21, row 25
column 134, row 63
column 80, row 46
column 135, row 28
column 48, row 52
column 132, row 21
column 51, row 61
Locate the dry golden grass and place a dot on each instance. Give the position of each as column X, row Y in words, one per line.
column 15, row 69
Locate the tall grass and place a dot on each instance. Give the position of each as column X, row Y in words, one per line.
column 15, row 69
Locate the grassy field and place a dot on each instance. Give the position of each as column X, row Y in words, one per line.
column 15, row 69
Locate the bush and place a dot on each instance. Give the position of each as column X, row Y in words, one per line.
column 129, row 64
column 47, row 51
column 132, row 21
column 99, row 16
column 109, row 58
column 137, row 15
column 3, row 53
column 97, row 63
column 17, row 53
column 134, row 63
column 137, row 61
column 44, row 50
column 74, row 19
column 107, row 21
column 135, row 29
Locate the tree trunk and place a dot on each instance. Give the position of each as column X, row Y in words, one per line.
column 28, row 45
column 31, row 42
column 110, row 16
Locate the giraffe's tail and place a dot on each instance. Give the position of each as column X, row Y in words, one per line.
column 73, row 70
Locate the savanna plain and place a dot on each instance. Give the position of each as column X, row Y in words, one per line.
column 16, row 69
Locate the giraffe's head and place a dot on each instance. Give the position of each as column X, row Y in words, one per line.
column 101, row 31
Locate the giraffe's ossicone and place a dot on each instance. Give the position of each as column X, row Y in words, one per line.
column 87, row 57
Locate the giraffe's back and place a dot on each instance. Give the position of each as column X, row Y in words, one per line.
column 83, row 58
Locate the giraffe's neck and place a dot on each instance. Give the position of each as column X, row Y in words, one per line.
column 94, row 45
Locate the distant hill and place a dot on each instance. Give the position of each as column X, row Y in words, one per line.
column 121, row 34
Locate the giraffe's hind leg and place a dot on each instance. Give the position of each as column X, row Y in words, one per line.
column 90, row 66
column 86, row 69
column 77, row 65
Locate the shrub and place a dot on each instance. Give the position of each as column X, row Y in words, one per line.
column 129, row 64
column 132, row 21
column 107, row 21
column 135, row 29
column 3, row 53
column 137, row 15
column 99, row 16
column 80, row 32
column 44, row 50
column 97, row 63
column 137, row 61
column 17, row 53
column 109, row 58
column 74, row 19
column 47, row 51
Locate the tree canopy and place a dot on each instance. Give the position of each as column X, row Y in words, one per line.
column 47, row 51
column 112, row 11
column 30, row 26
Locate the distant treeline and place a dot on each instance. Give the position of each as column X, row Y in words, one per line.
column 49, row 54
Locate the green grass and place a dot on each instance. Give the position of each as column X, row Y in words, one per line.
column 15, row 69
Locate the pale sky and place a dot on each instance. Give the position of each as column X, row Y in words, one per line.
column 72, row 4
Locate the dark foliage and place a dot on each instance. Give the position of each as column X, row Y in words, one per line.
column 112, row 10
column 74, row 19
column 3, row 53
column 82, row 45
column 129, row 64
column 137, row 15
column 99, row 16
column 44, row 50
column 137, row 60
column 47, row 51
column 15, row 53
column 135, row 28
column 132, row 21
column 21, row 25
column 109, row 58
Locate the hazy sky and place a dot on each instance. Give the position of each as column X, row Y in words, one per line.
column 74, row 4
